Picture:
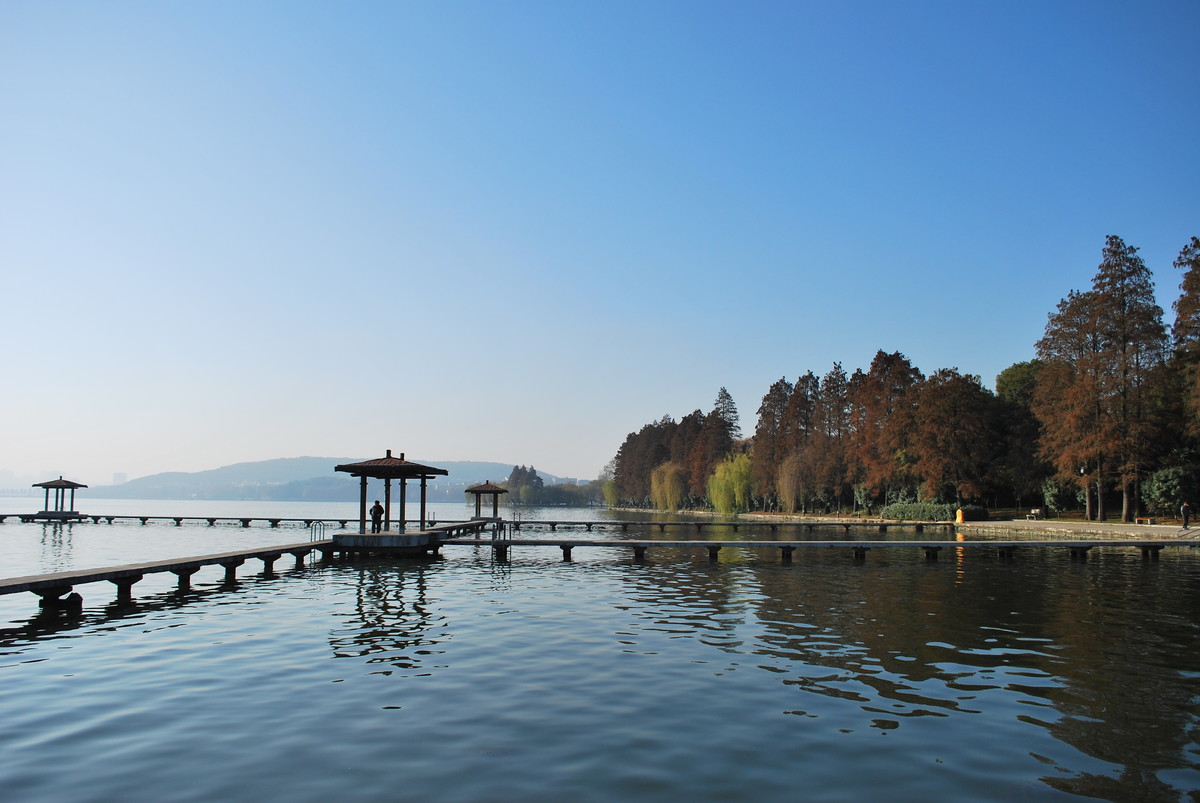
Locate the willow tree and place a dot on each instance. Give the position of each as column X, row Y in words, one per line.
column 667, row 486
column 729, row 485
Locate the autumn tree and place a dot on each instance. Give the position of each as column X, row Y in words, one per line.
column 1134, row 348
column 1067, row 395
column 828, row 454
column 770, row 439
column 1185, row 334
column 880, row 423
column 1017, row 466
column 953, row 434
column 1094, row 395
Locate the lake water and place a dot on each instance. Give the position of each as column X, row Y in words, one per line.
column 601, row 679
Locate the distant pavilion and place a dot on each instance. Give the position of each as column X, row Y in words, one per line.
column 387, row 469
column 60, row 488
column 487, row 489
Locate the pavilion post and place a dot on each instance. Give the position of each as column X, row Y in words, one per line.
column 403, row 503
column 46, row 501
column 362, row 507
column 424, row 484
column 387, row 504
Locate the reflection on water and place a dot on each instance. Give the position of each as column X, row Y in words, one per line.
column 391, row 623
column 972, row 678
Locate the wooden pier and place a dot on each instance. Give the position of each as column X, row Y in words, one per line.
column 55, row 589
column 737, row 526
column 1078, row 549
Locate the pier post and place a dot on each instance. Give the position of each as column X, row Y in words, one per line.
column 639, row 554
column 268, row 559
column 125, row 587
column 566, row 550
column 1150, row 552
column 919, row 528
column 185, row 577
column 179, row 521
column 712, row 552
column 1006, row 552
column 500, row 550
column 931, row 553
column 785, row 553
column 246, row 522
column 300, row 555
column 59, row 597
column 1079, row 553
column 860, row 552
column 231, row 567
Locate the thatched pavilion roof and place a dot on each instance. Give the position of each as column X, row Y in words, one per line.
column 488, row 487
column 59, row 484
column 389, row 467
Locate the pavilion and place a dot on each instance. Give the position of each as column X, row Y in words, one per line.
column 60, row 488
column 387, row 469
column 487, row 489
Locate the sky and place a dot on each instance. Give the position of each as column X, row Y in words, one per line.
column 518, row 230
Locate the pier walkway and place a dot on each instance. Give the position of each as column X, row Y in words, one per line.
column 1078, row 538
column 55, row 588
column 1078, row 548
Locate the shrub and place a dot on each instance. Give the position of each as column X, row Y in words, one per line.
column 918, row 511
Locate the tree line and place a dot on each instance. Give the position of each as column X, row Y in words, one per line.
column 1107, row 414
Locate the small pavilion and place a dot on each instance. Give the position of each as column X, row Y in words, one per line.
column 390, row 468
column 487, row 489
column 60, row 488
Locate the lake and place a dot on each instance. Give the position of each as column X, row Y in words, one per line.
column 599, row 679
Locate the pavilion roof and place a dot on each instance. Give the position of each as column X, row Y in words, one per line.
column 59, row 483
column 390, row 468
column 488, row 487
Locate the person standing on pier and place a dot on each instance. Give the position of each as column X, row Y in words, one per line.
column 377, row 517
column 1186, row 512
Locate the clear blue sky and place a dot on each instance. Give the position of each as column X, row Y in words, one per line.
column 517, row 231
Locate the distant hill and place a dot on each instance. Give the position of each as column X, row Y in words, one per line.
column 296, row 479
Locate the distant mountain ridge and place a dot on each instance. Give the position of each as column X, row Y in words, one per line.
column 297, row 479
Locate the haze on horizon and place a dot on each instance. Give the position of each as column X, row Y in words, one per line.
column 515, row 232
